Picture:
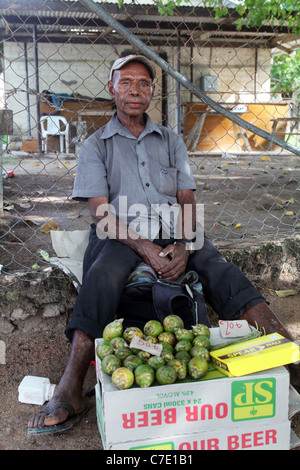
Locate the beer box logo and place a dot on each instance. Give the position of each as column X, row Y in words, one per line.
column 163, row 446
column 253, row 399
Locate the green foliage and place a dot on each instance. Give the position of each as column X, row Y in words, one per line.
column 285, row 73
column 284, row 13
column 253, row 13
column 165, row 7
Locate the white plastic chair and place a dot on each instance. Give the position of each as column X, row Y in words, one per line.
column 55, row 125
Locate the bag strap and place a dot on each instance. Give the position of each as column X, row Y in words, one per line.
column 191, row 278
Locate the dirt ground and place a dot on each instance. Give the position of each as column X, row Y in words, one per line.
column 234, row 192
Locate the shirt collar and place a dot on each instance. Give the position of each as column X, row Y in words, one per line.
column 115, row 127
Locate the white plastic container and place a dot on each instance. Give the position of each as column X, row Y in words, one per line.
column 35, row 390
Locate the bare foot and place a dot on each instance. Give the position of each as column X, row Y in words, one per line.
column 59, row 414
column 69, row 390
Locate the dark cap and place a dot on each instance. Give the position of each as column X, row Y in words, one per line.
column 119, row 63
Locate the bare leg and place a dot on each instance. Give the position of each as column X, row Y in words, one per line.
column 264, row 318
column 70, row 386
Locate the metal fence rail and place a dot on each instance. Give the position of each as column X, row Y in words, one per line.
column 213, row 88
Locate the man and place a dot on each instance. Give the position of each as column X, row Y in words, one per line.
column 133, row 157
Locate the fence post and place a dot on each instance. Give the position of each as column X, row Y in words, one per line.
column 27, row 90
column 37, row 88
column 1, row 184
column 1, row 149
column 6, row 128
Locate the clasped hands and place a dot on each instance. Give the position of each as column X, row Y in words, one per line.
column 169, row 262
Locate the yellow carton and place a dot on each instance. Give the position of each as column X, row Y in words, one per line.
column 255, row 355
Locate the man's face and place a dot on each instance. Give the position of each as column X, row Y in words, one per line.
column 131, row 88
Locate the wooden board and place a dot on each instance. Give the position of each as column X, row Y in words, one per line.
column 218, row 134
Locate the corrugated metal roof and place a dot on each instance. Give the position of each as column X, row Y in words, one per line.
column 190, row 3
column 76, row 8
column 61, row 20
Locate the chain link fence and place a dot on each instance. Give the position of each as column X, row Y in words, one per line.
column 55, row 60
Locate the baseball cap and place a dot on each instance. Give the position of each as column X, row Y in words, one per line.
column 119, row 63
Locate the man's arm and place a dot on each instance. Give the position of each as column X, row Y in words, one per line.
column 187, row 202
column 186, row 229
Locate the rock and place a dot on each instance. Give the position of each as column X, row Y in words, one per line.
column 51, row 310
column 19, row 314
column 6, row 327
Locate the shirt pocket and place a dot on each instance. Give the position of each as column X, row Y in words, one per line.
column 168, row 180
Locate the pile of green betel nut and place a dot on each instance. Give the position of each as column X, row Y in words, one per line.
column 183, row 354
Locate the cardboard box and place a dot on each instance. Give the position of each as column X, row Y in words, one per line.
column 256, row 355
column 215, row 407
column 254, row 436
column 191, row 407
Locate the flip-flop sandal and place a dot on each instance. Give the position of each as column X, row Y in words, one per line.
column 67, row 424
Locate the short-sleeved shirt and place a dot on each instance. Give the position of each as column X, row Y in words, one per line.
column 139, row 176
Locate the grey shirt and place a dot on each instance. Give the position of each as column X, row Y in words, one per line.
column 140, row 176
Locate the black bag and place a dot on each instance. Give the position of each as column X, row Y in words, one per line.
column 146, row 297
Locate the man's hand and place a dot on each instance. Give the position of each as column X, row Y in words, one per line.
column 150, row 252
column 177, row 265
column 169, row 262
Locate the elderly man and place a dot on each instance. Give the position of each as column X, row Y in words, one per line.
column 133, row 158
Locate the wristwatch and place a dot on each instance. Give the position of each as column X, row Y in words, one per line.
column 189, row 245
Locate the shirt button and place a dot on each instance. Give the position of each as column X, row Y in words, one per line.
column 143, row 163
column 147, row 184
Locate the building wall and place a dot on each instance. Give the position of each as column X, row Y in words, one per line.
column 69, row 68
